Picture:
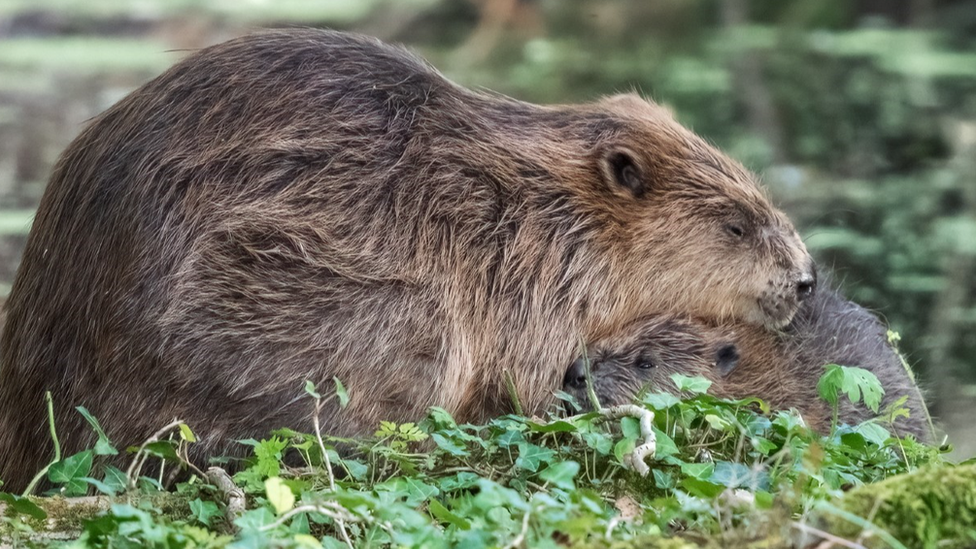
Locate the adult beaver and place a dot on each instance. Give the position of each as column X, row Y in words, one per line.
column 302, row 204
column 743, row 361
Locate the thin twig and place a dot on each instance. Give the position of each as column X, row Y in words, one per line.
column 335, row 514
column 340, row 524
column 520, row 538
column 827, row 536
column 57, row 446
column 135, row 468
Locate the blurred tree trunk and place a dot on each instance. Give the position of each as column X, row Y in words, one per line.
column 750, row 84
column 946, row 400
column 921, row 13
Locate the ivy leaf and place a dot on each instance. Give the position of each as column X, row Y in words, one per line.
column 665, row 444
column 442, row 514
column 186, row 433
column 114, row 478
column 279, row 495
column 23, row 505
column 873, row 432
column 662, row 479
column 700, row 471
column 70, row 471
column 558, row 426
column 561, row 474
column 310, row 389
column 702, row 488
column 103, row 446
column 203, row 511
column 691, row 384
column 449, row 445
column 531, row 456
column 102, row 487
column 341, row 393
column 661, row 401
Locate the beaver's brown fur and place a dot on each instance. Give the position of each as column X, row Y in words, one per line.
column 303, row 204
column 742, row 361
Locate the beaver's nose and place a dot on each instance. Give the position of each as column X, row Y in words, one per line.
column 576, row 375
column 806, row 285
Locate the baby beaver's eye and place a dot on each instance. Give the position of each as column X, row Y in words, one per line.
column 645, row 363
column 735, row 230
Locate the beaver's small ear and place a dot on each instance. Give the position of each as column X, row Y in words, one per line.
column 726, row 359
column 620, row 167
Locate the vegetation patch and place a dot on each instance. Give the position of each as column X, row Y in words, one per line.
column 721, row 473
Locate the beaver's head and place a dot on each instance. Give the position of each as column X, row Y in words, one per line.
column 692, row 230
column 643, row 355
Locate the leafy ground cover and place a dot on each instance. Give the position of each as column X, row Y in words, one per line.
column 723, row 473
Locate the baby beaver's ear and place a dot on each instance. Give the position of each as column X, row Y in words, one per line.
column 620, row 167
column 726, row 359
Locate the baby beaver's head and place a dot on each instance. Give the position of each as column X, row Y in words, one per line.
column 642, row 357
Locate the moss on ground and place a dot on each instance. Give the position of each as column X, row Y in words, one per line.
column 929, row 508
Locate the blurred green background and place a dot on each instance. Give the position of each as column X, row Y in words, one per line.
column 859, row 115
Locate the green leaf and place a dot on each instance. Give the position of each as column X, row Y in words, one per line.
column 510, row 437
column 279, row 495
column 691, row 384
column 561, row 474
column 356, row 469
column 163, row 449
column 442, row 514
column 701, row 471
column 717, row 423
column 702, row 488
column 103, row 446
column 341, row 393
column 186, row 433
column 623, row 447
column 449, row 445
column 600, row 441
column 70, row 471
column 114, row 478
column 630, row 427
column 558, row 426
column 854, row 382
column 661, row 401
column 255, row 518
column 764, row 500
column 310, row 389
column 203, row 511
column 873, row 432
column 23, row 506
column 100, row 486
column 532, row 456
column 665, row 444
column 662, row 479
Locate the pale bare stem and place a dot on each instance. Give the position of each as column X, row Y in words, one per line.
column 340, row 524
column 635, row 459
column 185, row 456
column 827, row 536
column 608, row 535
column 330, row 509
column 231, row 493
column 520, row 538
column 132, row 474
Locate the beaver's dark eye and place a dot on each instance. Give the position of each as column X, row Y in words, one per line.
column 645, row 364
column 735, row 230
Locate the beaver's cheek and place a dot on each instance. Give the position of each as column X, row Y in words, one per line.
column 778, row 304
